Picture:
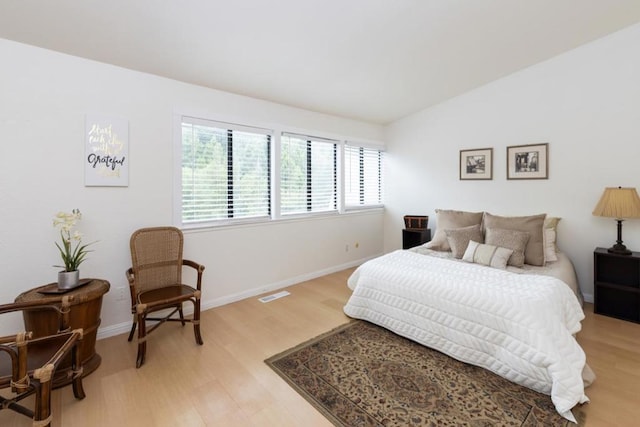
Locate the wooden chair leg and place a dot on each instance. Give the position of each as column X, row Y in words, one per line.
column 42, row 410
column 133, row 330
column 78, row 388
column 181, row 315
column 142, row 340
column 196, row 321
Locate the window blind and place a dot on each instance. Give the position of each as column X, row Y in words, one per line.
column 225, row 171
column 308, row 174
column 363, row 176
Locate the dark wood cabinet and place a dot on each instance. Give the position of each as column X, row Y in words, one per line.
column 617, row 284
column 415, row 237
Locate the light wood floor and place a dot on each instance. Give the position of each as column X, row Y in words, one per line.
column 226, row 383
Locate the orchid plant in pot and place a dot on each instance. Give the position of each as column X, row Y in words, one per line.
column 72, row 255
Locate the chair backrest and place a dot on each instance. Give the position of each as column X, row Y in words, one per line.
column 15, row 346
column 156, row 257
column 30, row 364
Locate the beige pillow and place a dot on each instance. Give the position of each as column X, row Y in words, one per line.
column 510, row 239
column 551, row 222
column 449, row 219
column 534, row 252
column 459, row 238
column 493, row 256
column 550, row 245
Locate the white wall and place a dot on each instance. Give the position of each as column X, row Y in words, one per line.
column 44, row 97
column 585, row 104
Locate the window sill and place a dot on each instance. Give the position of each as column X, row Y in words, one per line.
column 319, row 216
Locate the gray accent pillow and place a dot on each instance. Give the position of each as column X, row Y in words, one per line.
column 510, row 239
column 459, row 238
column 449, row 219
column 533, row 224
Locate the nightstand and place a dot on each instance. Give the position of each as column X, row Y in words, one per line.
column 616, row 283
column 415, row 237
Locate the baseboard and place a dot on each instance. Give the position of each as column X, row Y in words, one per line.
column 113, row 330
column 125, row 327
column 588, row 298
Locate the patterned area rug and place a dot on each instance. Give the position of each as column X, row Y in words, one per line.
column 362, row 375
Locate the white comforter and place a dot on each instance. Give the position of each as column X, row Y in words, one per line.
column 519, row 326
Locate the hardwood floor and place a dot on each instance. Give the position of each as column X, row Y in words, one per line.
column 226, row 383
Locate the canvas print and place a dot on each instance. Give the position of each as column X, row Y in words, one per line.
column 106, row 151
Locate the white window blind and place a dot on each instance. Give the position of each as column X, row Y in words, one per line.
column 363, row 176
column 225, row 171
column 308, row 174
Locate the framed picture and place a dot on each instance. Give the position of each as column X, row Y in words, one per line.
column 528, row 161
column 476, row 164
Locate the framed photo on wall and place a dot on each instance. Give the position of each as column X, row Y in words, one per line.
column 476, row 164
column 528, row 161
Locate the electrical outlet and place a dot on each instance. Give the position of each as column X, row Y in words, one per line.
column 346, row 248
column 121, row 294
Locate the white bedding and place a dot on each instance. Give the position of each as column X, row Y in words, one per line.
column 519, row 326
column 562, row 268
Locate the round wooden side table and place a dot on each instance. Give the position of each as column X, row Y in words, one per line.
column 84, row 313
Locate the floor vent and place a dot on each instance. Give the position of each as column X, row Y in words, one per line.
column 271, row 297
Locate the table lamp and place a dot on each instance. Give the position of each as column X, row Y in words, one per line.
column 619, row 203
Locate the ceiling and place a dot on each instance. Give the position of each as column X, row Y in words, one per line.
column 372, row 60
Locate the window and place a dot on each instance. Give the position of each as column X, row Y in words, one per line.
column 363, row 176
column 225, row 171
column 230, row 173
column 308, row 172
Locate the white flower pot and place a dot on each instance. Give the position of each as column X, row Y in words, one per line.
column 68, row 279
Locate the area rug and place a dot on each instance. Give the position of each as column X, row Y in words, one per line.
column 362, row 375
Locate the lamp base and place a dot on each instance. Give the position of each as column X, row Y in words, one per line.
column 619, row 249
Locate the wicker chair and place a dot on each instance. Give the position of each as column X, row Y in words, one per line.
column 155, row 283
column 28, row 364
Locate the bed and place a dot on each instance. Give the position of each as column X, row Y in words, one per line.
column 518, row 321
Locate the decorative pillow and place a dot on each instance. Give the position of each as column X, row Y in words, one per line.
column 550, row 245
column 493, row 256
column 459, row 238
column 449, row 219
column 551, row 223
column 510, row 239
column 534, row 252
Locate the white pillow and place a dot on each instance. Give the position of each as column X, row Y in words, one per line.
column 493, row 256
column 551, row 222
column 550, row 245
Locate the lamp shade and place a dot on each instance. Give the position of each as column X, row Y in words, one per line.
column 619, row 203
